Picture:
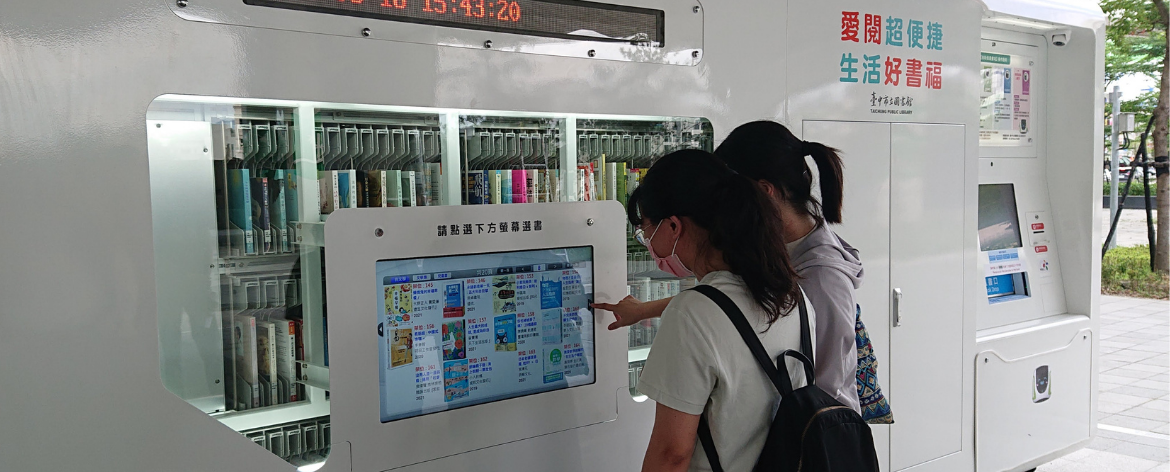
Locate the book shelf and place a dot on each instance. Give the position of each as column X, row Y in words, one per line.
column 241, row 189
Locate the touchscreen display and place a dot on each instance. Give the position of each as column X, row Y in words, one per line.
column 457, row 331
column 999, row 226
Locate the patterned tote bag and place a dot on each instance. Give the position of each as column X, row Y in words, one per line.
column 874, row 407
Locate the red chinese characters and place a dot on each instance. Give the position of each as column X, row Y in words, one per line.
column 914, row 73
column 849, row 26
column 893, row 70
column 873, row 28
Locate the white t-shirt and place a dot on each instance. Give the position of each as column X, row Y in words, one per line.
column 699, row 363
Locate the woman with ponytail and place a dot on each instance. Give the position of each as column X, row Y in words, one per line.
column 829, row 268
column 697, row 216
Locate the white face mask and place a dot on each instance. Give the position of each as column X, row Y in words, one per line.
column 670, row 264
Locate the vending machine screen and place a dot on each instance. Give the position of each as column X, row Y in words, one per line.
column 457, row 331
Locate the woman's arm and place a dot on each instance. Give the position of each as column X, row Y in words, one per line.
column 672, row 441
column 630, row 310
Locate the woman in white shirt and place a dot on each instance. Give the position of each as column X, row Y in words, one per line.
column 695, row 215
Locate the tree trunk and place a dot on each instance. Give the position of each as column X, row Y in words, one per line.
column 1161, row 115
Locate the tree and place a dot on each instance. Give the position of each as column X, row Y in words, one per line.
column 1137, row 44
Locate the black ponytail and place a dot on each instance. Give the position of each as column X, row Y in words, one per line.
column 739, row 218
column 767, row 150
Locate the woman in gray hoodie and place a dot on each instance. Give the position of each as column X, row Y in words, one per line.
column 829, row 268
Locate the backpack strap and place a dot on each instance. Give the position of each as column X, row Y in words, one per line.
column 782, row 383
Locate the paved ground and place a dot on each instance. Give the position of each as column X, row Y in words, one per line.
column 1133, row 424
column 1131, row 229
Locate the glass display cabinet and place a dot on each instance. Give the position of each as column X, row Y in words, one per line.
column 240, row 191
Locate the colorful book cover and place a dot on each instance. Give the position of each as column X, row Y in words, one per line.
column 553, row 368
column 401, row 347
column 519, row 186
column 505, row 333
column 455, row 381
column 286, row 355
column 346, row 190
column 454, row 340
column 504, row 294
column 550, row 294
column 505, row 186
column 266, row 356
column 261, row 217
column 530, row 185
column 375, row 188
column 550, row 326
column 239, row 185
column 399, row 303
column 487, row 186
column 453, row 303
column 474, row 187
column 247, row 373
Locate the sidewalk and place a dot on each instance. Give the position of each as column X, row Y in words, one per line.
column 1133, row 425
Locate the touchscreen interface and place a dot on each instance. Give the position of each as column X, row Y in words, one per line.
column 457, row 331
column 999, row 226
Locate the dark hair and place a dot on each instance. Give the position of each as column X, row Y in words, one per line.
column 766, row 150
column 739, row 218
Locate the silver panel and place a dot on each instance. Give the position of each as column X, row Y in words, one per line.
column 183, row 197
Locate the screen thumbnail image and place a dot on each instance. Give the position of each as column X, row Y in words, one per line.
column 504, row 294
column 550, row 326
column 506, row 333
column 453, row 300
column 553, row 369
column 454, row 340
column 455, row 383
column 401, row 347
column 399, row 300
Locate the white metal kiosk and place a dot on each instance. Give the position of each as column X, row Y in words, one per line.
column 176, row 170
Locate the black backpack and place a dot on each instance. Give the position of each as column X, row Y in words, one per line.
column 812, row 432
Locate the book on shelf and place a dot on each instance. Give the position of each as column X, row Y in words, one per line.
column 375, row 187
column 611, row 178
column 436, row 179
column 505, row 186
column 519, row 186
column 347, row 188
column 598, row 166
column 620, row 178
column 327, row 181
column 422, row 183
column 487, row 186
column 393, row 183
column 222, row 226
column 247, row 373
column 286, row 357
column 580, row 184
column 530, row 186
column 278, row 209
column 266, row 362
column 497, row 180
column 261, row 218
column 409, row 197
column 291, row 202
column 239, row 183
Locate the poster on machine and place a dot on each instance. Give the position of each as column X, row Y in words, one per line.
column 1005, row 111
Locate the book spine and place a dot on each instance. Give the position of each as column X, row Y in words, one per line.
column 279, row 210
column 620, row 182
column 496, row 182
column 487, row 186
column 261, row 219
column 581, row 184
column 611, row 178
column 519, row 186
column 271, row 374
column 599, row 167
column 505, row 186
column 426, row 185
column 530, row 185
column 240, row 189
column 409, row 198
column 291, row 198
column 247, row 364
column 327, row 180
column 420, row 190
column 353, row 190
column 436, row 182
column 394, row 188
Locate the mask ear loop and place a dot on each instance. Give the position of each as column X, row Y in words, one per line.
column 673, row 253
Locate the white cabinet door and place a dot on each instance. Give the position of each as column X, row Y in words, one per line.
column 926, row 250
column 865, row 151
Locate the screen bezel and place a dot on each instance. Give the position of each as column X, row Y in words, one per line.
column 593, row 334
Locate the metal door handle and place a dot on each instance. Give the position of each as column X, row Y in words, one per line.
column 897, row 307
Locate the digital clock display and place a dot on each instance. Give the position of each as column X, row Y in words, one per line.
column 566, row 19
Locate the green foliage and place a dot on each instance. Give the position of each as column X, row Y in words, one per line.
column 1136, row 188
column 1126, row 271
column 1135, row 38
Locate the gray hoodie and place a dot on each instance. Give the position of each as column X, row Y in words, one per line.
column 830, row 272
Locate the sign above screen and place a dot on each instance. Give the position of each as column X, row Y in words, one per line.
column 565, row 19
